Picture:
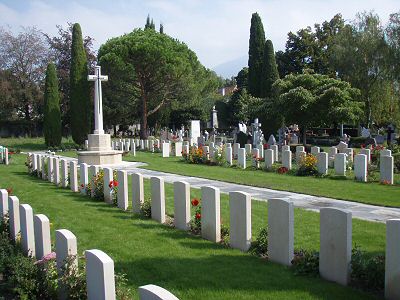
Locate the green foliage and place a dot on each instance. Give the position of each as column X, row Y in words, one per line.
column 79, row 89
column 367, row 272
column 360, row 55
column 260, row 245
column 153, row 73
column 145, row 208
column 314, row 100
column 256, row 53
column 52, row 114
column 269, row 70
column 306, row 262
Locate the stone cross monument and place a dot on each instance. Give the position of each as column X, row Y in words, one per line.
column 98, row 99
column 99, row 148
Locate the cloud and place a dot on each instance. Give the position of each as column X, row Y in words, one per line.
column 218, row 31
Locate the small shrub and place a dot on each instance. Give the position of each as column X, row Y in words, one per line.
column 306, row 262
column 145, row 208
column 367, row 272
column 224, row 234
column 308, row 166
column 73, row 280
column 259, row 247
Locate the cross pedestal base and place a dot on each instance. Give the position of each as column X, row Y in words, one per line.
column 99, row 151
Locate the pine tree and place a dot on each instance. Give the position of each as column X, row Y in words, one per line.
column 161, row 28
column 79, row 89
column 147, row 25
column 256, row 53
column 269, row 70
column 52, row 114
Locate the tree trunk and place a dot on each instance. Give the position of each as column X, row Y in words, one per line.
column 369, row 112
column 143, row 120
column 304, row 136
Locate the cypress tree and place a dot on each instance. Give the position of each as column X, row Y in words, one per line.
column 79, row 88
column 52, row 114
column 269, row 70
column 256, row 53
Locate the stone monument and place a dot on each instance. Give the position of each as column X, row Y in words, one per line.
column 99, row 150
column 214, row 118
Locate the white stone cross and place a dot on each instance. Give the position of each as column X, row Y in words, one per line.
column 98, row 107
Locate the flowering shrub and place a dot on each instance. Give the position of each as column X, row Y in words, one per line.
column 386, row 182
column 305, row 262
column 97, row 185
column 195, row 156
column 195, row 222
column 308, row 166
column 282, row 170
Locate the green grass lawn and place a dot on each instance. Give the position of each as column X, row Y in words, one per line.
column 371, row 193
column 188, row 266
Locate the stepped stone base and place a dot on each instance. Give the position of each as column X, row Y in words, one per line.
column 99, row 151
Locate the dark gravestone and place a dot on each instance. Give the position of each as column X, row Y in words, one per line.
column 241, row 138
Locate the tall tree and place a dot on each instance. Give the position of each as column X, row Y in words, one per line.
column 256, row 52
column 158, row 69
column 52, row 115
column 60, row 46
column 360, row 57
column 313, row 100
column 79, row 88
column 269, row 70
column 25, row 56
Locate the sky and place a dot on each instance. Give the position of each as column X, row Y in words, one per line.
column 218, row 31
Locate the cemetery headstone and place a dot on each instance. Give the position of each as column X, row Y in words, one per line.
column 386, row 169
column 41, row 226
column 27, row 231
column 182, row 205
column 240, row 220
column 157, row 199
column 280, row 231
column 340, row 164
column 137, row 192
column 122, row 194
column 360, row 167
column 210, row 214
column 322, row 163
column 335, row 245
column 287, row 159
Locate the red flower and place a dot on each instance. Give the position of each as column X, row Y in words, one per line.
column 115, row 183
column 198, row 216
column 195, row 202
column 110, row 185
column 82, row 185
column 362, row 146
column 9, row 191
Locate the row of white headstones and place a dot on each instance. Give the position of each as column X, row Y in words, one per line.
column 35, row 235
column 335, row 224
column 4, row 155
column 337, row 157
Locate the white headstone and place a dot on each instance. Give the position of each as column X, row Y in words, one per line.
column 335, row 245
column 228, row 155
column 64, row 173
column 100, row 282
column 268, row 158
column 360, row 167
column 322, row 163
column 241, row 158
column 14, row 220
column 73, row 176
column 315, row 150
column 178, row 149
column 41, row 226
column 210, row 214
column 66, row 246
column 275, row 148
column 56, row 168
column 108, row 177
column 340, row 164
column 27, row 231
column 182, row 205
column 84, row 180
column 386, row 169
column 280, row 231
column 367, row 152
column 194, row 131
column 3, row 203
column 240, row 220
column 392, row 259
column 154, row 292
column 122, row 194
column 287, row 159
column 157, row 199
column 165, row 149
column 137, row 192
